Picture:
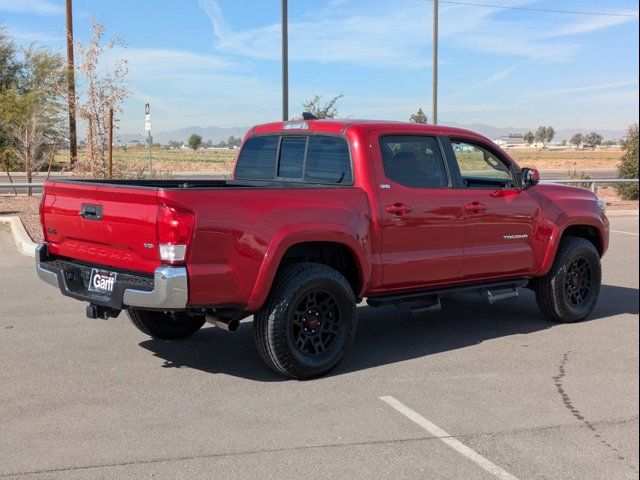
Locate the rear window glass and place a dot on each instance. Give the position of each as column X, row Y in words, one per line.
column 291, row 157
column 328, row 160
column 413, row 161
column 312, row 158
column 257, row 159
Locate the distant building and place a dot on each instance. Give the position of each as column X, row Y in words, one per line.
column 511, row 140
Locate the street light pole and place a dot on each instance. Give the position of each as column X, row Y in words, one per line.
column 147, row 127
column 110, row 164
column 434, row 108
column 73, row 138
column 285, row 62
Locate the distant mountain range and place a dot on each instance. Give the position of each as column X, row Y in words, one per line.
column 217, row 134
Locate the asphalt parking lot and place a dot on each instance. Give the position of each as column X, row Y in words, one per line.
column 472, row 391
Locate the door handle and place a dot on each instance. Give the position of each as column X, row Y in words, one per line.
column 91, row 212
column 475, row 207
column 399, row 209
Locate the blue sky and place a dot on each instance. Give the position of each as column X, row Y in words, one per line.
column 216, row 62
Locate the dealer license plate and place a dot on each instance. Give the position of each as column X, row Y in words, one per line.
column 102, row 281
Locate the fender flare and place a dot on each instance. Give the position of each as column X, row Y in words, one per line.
column 357, row 242
column 562, row 223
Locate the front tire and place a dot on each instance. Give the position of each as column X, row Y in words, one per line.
column 305, row 327
column 569, row 292
column 165, row 325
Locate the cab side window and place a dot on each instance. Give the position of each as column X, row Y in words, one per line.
column 413, row 161
column 480, row 168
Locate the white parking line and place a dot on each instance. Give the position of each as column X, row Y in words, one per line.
column 457, row 445
column 628, row 233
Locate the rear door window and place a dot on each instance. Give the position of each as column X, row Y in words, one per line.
column 257, row 159
column 413, row 161
column 328, row 160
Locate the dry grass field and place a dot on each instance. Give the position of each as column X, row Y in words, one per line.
column 223, row 160
column 167, row 160
column 569, row 159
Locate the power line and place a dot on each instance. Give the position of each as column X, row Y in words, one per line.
column 539, row 10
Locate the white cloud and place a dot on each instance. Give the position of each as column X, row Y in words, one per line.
column 391, row 40
column 35, row 36
column 186, row 88
column 35, row 7
column 401, row 36
column 591, row 24
column 581, row 89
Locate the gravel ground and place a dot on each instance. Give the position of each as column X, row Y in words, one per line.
column 27, row 209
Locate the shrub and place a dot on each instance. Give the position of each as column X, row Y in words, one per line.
column 628, row 167
column 579, row 175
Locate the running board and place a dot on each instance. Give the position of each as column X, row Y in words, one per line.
column 430, row 300
column 497, row 295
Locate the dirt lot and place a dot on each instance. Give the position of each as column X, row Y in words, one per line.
column 569, row 159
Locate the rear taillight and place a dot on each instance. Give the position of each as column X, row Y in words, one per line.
column 175, row 228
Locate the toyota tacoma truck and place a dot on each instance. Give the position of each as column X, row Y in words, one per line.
column 318, row 216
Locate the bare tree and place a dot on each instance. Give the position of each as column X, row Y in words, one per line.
column 104, row 88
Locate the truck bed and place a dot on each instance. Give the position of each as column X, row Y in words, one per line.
column 236, row 223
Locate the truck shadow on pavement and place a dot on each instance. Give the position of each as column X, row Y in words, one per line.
column 387, row 335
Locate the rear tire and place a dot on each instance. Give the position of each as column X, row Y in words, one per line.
column 165, row 325
column 569, row 292
column 307, row 323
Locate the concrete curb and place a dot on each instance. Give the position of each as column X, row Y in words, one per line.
column 622, row 213
column 20, row 236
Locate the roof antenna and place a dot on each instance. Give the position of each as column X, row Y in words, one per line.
column 308, row 116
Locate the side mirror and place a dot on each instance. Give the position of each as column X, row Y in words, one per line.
column 530, row 177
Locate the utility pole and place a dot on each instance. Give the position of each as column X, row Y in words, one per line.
column 147, row 127
column 434, row 108
column 285, row 62
column 110, row 170
column 73, row 138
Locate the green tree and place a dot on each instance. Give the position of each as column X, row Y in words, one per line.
column 592, row 139
column 9, row 63
column 195, row 141
column 31, row 109
column 233, row 141
column 418, row 117
column 541, row 135
column 529, row 137
column 9, row 69
column 576, row 140
column 550, row 133
column 320, row 108
column 628, row 167
column 544, row 135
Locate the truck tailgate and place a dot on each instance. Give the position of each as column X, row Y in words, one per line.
column 105, row 225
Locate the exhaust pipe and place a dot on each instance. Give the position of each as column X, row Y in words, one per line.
column 225, row 322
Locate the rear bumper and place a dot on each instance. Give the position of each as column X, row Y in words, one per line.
column 167, row 290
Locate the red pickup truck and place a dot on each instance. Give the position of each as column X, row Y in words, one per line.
column 319, row 215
